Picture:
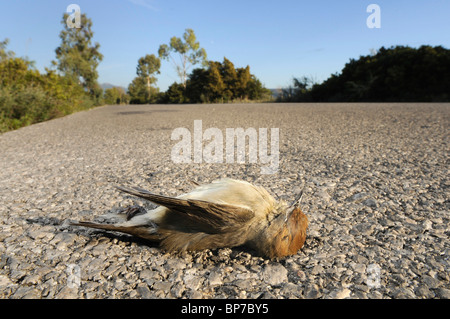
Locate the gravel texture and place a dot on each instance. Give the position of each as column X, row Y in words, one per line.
column 376, row 191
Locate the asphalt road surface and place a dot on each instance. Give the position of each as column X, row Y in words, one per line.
column 376, row 191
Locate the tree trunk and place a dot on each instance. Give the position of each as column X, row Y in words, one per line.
column 148, row 88
column 184, row 71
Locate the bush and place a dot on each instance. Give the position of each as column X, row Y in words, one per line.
column 27, row 97
column 175, row 94
column 397, row 74
column 222, row 82
column 116, row 95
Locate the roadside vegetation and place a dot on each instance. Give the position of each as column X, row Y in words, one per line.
column 70, row 83
column 396, row 74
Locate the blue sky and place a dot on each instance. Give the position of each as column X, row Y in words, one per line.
column 278, row 39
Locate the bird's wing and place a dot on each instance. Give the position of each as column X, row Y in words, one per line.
column 209, row 216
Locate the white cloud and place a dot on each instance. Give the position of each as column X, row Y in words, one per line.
column 145, row 3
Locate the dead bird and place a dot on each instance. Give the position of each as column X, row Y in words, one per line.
column 224, row 213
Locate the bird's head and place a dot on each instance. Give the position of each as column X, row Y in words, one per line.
column 286, row 234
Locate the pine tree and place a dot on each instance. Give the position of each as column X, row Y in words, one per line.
column 229, row 77
column 243, row 78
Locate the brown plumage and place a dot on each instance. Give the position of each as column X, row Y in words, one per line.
column 225, row 213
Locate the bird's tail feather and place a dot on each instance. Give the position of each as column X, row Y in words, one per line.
column 149, row 233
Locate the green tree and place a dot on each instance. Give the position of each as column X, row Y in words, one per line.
column 115, row 95
column 140, row 89
column 189, row 51
column 229, row 77
column 197, row 86
column 77, row 57
column 256, row 90
column 221, row 82
column 205, row 85
column 4, row 53
column 396, row 74
column 27, row 96
column 139, row 92
column 175, row 94
column 242, row 81
column 147, row 66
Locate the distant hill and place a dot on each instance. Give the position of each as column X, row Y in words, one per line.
column 276, row 92
column 106, row 86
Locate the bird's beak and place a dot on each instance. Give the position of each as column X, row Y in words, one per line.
column 294, row 205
